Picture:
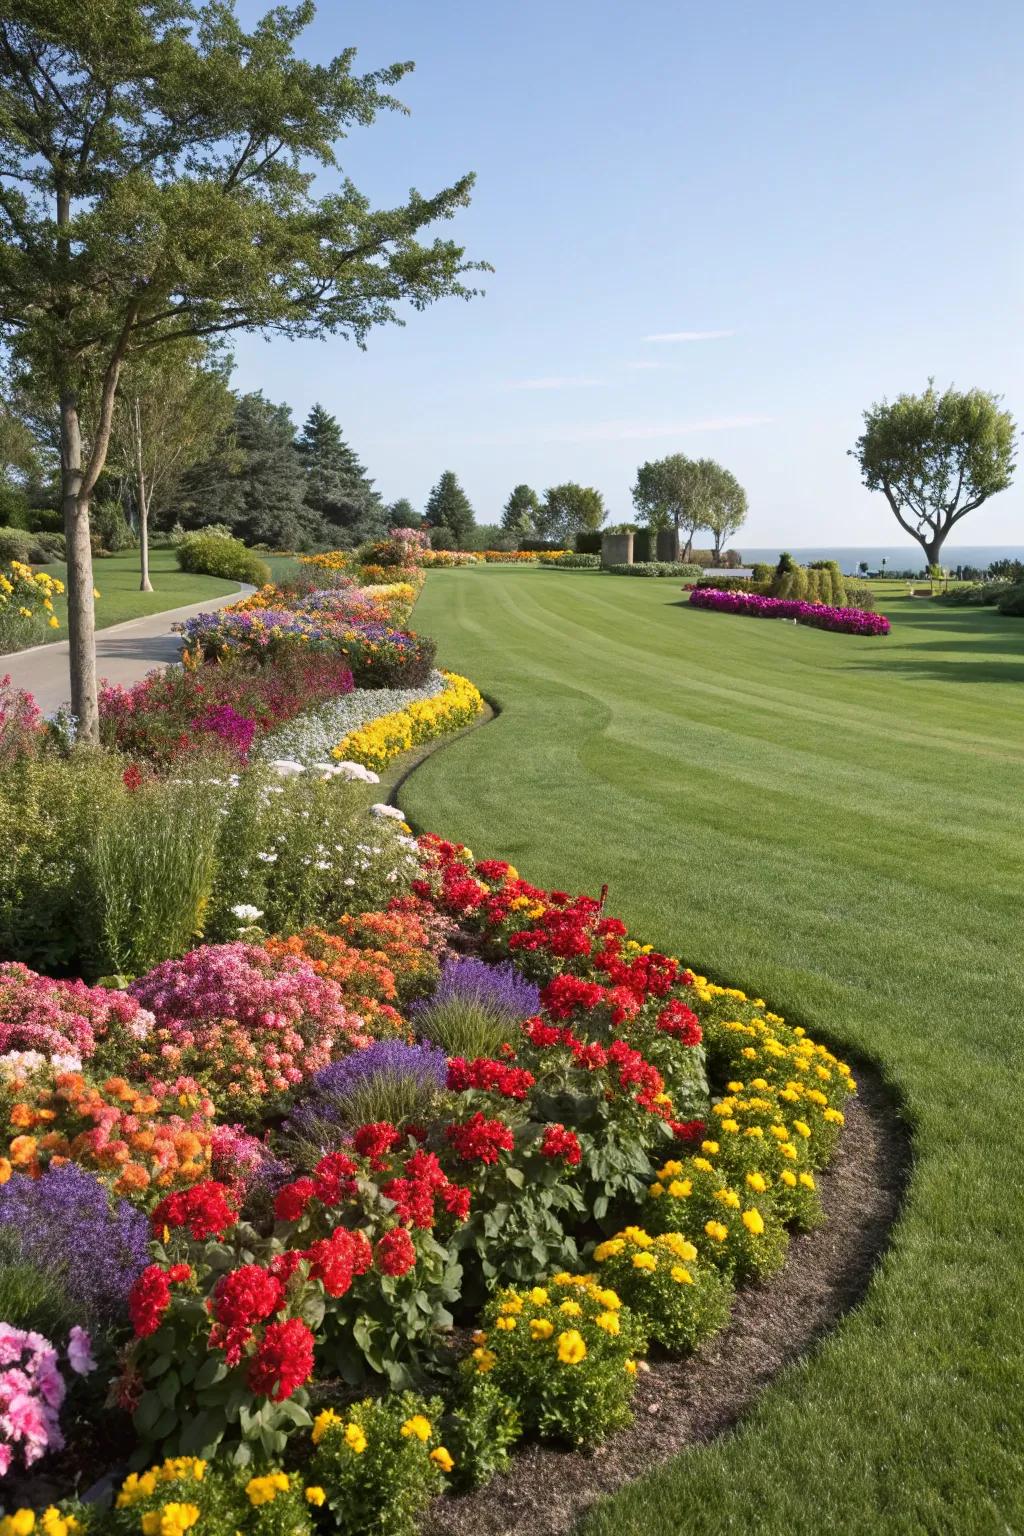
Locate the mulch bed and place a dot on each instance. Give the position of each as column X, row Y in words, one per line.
column 691, row 1401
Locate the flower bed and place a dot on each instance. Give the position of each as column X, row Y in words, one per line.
column 518, row 1098
column 374, row 745
column 847, row 621
column 313, row 735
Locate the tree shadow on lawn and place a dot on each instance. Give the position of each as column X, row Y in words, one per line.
column 934, row 669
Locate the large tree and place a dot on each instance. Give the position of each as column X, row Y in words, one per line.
column 402, row 514
column 569, row 509
column 157, row 166
column 677, row 492
column 727, row 510
column 935, row 458
column 337, row 486
column 448, row 506
column 519, row 514
column 172, row 405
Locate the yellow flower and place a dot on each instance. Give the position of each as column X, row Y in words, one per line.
column 355, row 1439
column 608, row 1321
column 603, row 1251
column 53, row 622
column 710, row 1147
column 656, row 1190
column 571, row 1308
column 807, row 1180
column 608, row 1300
column 671, row 1170
column 754, row 1222
column 788, row 1178
column 802, row 1128
column 513, row 1306
column 506, row 1324
column 571, row 1348
column 757, row 1182
column 644, row 1261
column 485, row 1360
column 630, row 1367
column 716, row 1230
column 539, row 1296
column 322, row 1423
column 53, row 1523
column 728, row 1197
column 441, row 1458
column 703, row 1164
column 21, row 1523
column 315, row 1496
column 170, row 1520
column 541, row 1328
column 264, row 1490
column 418, row 1426
column 679, row 1189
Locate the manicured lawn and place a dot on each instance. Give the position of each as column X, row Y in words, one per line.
column 835, row 824
column 117, row 581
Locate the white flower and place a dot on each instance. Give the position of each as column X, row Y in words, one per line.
column 246, row 913
column 267, row 858
column 390, row 811
column 286, row 767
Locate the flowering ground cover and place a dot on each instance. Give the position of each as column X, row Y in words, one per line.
column 847, row 621
column 838, row 824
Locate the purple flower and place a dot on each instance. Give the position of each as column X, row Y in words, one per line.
column 67, row 1223
column 501, row 990
column 80, row 1355
column 848, row 621
column 384, row 1058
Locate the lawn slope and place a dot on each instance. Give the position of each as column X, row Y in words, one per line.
column 833, row 823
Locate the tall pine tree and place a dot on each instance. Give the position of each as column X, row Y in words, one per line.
column 338, row 488
column 448, row 507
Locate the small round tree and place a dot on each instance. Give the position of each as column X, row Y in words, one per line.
column 935, row 458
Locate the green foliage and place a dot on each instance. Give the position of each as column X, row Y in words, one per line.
column 110, row 531
column 1012, row 602
column 732, row 1227
column 521, row 511
column 763, row 572
column 936, row 457
column 379, row 1475
column 564, row 1353
column 31, row 1297
column 677, row 568
column 981, row 594
column 338, row 488
column 570, row 509
column 17, row 544
column 402, row 514
column 677, row 1299
column 448, row 507
column 479, row 1429
column 463, row 1027
column 689, row 494
column 571, row 562
column 210, row 554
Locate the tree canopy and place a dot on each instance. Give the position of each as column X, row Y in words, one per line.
column 158, row 180
column 936, row 457
column 338, row 488
column 676, row 492
column 448, row 506
column 519, row 514
column 570, row 509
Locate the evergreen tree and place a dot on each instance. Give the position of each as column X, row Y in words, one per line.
column 255, row 482
column 338, row 488
column 402, row 514
column 519, row 514
column 448, row 506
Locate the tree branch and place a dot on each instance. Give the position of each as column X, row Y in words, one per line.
column 101, row 442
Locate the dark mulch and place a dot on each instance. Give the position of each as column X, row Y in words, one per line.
column 681, row 1403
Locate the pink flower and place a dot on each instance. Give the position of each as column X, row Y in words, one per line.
column 80, row 1355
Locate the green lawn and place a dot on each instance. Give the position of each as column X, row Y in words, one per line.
column 117, row 582
column 833, row 823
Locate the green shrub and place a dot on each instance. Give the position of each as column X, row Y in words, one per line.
column 1012, row 602
column 763, row 572
column 109, row 528
column 727, row 583
column 588, row 543
column 676, row 568
column 677, row 1298
column 977, row 595
column 479, row 1429
column 210, row 554
column 565, row 1354
column 15, row 544
column 859, row 594
column 51, row 547
column 380, row 1464
column 731, row 1226
column 462, row 1026
column 571, row 562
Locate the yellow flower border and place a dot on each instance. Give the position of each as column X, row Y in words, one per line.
column 375, row 744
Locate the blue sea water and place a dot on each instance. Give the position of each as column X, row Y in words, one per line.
column 897, row 557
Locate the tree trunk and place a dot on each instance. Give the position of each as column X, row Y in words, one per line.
column 933, row 547
column 81, row 610
column 145, row 585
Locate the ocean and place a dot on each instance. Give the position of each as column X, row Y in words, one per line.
column 897, row 557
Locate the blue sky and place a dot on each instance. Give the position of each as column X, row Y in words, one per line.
column 824, row 200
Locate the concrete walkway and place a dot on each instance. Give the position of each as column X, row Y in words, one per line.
column 124, row 653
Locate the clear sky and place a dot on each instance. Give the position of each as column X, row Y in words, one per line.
column 716, row 229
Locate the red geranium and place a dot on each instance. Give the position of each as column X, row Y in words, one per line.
column 205, row 1210
column 336, row 1259
column 395, row 1254
column 375, row 1141
column 292, row 1199
column 480, row 1140
column 560, row 1142
column 680, row 1022
column 283, row 1360
column 241, row 1299
column 150, row 1296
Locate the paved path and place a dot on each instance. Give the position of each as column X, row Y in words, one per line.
column 124, row 653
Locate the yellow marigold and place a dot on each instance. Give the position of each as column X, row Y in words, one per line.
column 506, row 1324
column 788, row 1178
column 644, row 1261
column 264, row 1490
column 757, row 1182
column 710, row 1147
column 716, row 1230
column 606, row 1250
column 322, row 1423
column 807, row 1180
column 679, row 1189
column 571, row 1308
column 539, row 1296
column 630, row 1367
column 571, row 1348
column 485, row 1360
column 442, row 1458
column 355, row 1438
column 608, row 1322
column 541, row 1328
column 418, row 1426
column 681, row 1276
column 754, row 1222
column 315, row 1496
column 171, row 1520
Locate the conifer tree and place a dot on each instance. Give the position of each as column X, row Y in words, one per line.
column 448, row 506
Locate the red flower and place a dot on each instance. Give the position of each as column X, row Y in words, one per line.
column 455, row 1199
column 132, row 777
column 375, row 1141
column 480, row 1140
column 335, row 1178
column 489, row 1076
column 283, row 1360
column 542, row 1035
column 241, row 1299
column 680, row 1022
column 559, row 1142
column 688, row 1130
column 336, row 1259
column 150, row 1296
column 564, row 995
column 395, row 1254
column 204, row 1209
column 293, row 1198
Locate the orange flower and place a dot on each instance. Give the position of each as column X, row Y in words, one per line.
column 22, row 1150
column 5, row 1170
column 133, row 1178
column 23, row 1116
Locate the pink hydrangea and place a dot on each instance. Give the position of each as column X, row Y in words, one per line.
column 63, row 1018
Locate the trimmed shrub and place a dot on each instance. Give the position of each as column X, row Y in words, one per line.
column 763, row 571
column 979, row 595
column 15, row 544
column 570, row 562
column 728, row 584
column 656, row 568
column 859, row 594
column 539, row 545
column 588, row 543
column 210, row 554
column 1012, row 602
